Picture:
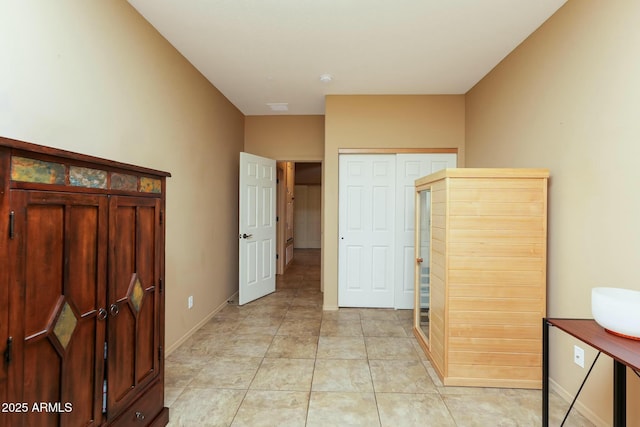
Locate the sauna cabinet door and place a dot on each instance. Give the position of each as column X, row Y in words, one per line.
column 133, row 336
column 57, row 290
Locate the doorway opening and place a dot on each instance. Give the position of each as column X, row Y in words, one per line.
column 298, row 210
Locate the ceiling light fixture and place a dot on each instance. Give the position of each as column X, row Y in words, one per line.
column 326, row 78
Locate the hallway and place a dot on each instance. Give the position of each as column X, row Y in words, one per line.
column 283, row 361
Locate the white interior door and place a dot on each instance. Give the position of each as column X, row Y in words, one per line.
column 257, row 227
column 410, row 167
column 366, row 226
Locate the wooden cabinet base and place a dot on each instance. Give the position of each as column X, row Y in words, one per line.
column 148, row 410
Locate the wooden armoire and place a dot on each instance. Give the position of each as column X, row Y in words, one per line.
column 81, row 290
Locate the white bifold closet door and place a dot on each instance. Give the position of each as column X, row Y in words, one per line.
column 376, row 214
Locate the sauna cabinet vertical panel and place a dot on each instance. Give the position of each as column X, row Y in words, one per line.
column 487, row 265
column 81, row 289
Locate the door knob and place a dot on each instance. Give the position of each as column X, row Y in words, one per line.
column 114, row 309
column 246, row 236
column 102, row 314
column 419, row 260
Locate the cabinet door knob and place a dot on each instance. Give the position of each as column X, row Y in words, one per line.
column 114, row 309
column 102, row 314
column 139, row 416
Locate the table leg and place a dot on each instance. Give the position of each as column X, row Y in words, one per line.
column 619, row 394
column 545, row 373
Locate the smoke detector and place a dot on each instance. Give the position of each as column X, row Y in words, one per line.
column 326, row 78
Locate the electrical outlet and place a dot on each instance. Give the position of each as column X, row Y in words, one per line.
column 578, row 356
column 190, row 301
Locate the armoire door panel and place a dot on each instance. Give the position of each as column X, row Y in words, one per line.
column 133, row 342
column 59, row 285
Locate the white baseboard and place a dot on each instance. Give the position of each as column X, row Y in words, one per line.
column 578, row 406
column 199, row 325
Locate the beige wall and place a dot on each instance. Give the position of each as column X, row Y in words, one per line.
column 386, row 121
column 569, row 99
column 299, row 138
column 96, row 78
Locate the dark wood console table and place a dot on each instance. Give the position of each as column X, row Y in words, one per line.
column 624, row 352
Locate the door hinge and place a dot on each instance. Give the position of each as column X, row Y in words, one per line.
column 160, row 354
column 12, row 223
column 104, row 396
column 105, row 350
column 8, row 353
column 161, row 217
column 277, row 256
column 161, row 285
column 277, row 219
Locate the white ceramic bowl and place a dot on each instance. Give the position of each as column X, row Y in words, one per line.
column 617, row 310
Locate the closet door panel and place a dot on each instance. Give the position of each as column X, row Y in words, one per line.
column 366, row 245
column 410, row 167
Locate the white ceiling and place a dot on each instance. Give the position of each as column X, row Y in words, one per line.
column 270, row 51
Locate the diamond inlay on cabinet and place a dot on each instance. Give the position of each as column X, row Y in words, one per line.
column 65, row 325
column 137, row 294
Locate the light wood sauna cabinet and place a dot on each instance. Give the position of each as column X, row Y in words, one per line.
column 81, row 290
column 481, row 275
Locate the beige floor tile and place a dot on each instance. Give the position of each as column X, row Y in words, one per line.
column 342, row 375
column 205, row 408
column 210, row 332
column 480, row 410
column 432, row 373
column 328, row 409
column 413, row 410
column 557, row 410
column 267, row 310
column 383, row 328
column 342, row 314
column 179, row 374
column 421, row 354
column 284, row 374
column 303, row 379
column 401, row 376
column 341, row 348
column 391, row 348
column 302, row 327
column 378, row 314
column 293, row 347
column 272, row 409
column 341, row 328
column 405, row 315
column 171, row 394
column 242, row 346
column 303, row 313
column 231, row 373
column 259, row 325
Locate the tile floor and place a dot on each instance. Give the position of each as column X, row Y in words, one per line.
column 282, row 361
